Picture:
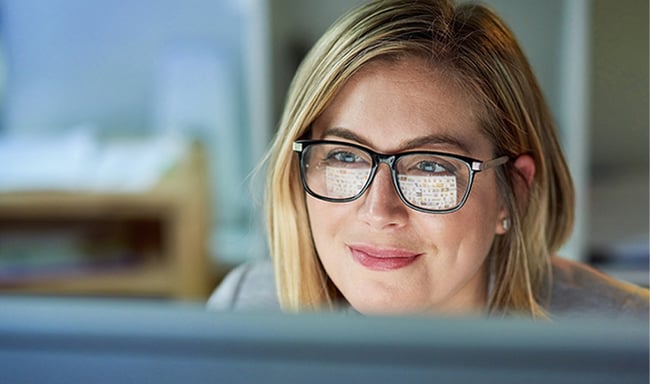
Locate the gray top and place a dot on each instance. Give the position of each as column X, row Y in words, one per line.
column 250, row 286
column 577, row 290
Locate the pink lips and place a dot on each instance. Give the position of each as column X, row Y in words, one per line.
column 382, row 259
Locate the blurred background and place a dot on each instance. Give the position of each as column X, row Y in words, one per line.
column 129, row 133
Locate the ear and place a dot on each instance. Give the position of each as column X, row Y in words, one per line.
column 523, row 180
column 525, row 166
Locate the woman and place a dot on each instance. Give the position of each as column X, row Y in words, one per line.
column 417, row 170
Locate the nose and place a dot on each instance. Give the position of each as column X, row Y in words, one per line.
column 381, row 206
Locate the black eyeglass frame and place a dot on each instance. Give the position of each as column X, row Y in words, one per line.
column 473, row 165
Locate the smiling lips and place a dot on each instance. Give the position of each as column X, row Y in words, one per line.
column 382, row 259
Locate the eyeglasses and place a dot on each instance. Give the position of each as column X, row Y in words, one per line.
column 430, row 182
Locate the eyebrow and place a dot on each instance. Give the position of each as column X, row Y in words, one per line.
column 418, row 142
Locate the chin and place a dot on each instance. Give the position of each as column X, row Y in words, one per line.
column 396, row 307
column 382, row 308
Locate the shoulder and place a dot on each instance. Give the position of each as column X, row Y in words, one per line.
column 250, row 286
column 578, row 289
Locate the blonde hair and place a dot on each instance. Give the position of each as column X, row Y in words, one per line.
column 480, row 54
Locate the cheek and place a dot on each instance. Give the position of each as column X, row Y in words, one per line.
column 325, row 220
column 331, row 224
column 480, row 215
column 467, row 233
column 460, row 238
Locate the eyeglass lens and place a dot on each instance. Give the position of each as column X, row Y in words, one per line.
column 427, row 181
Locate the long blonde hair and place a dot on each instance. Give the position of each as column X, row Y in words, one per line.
column 480, row 54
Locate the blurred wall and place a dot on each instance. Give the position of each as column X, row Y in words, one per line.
column 619, row 131
column 619, row 134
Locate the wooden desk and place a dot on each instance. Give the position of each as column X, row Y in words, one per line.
column 161, row 236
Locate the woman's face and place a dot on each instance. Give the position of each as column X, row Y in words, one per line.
column 383, row 256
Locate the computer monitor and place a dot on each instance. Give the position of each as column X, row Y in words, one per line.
column 89, row 341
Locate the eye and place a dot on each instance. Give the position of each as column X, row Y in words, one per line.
column 435, row 166
column 430, row 167
column 427, row 165
column 345, row 158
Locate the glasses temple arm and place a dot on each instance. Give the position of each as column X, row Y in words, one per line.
column 482, row 166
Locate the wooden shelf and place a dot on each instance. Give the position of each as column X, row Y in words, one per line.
column 162, row 231
column 138, row 281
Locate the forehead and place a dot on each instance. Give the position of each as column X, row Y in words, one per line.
column 389, row 103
